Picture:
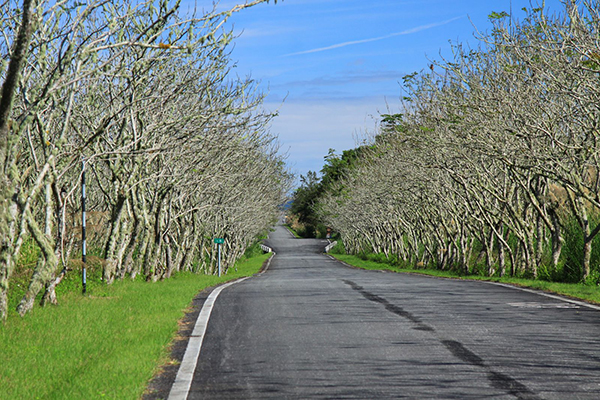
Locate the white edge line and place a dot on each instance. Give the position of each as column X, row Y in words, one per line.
column 552, row 296
column 341, row 262
column 183, row 381
column 185, row 375
column 555, row 297
column 273, row 254
column 290, row 232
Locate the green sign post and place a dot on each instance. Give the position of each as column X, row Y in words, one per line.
column 219, row 242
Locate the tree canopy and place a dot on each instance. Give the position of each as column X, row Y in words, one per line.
column 177, row 150
column 492, row 166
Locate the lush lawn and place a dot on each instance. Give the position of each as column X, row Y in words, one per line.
column 578, row 291
column 107, row 344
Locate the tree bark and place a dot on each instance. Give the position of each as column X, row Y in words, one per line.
column 43, row 271
column 557, row 239
column 108, row 272
column 45, row 267
column 8, row 208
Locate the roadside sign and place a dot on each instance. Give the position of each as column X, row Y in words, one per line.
column 219, row 241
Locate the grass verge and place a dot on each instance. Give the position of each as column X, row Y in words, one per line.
column 105, row 345
column 293, row 232
column 579, row 291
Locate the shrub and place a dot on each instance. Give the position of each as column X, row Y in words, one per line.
column 338, row 248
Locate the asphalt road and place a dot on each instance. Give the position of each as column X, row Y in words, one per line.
column 313, row 328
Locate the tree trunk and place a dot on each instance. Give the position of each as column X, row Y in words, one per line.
column 44, row 269
column 530, row 264
column 464, row 259
column 168, row 258
column 185, row 245
column 541, row 238
column 108, row 272
column 578, row 207
column 43, row 272
column 49, row 296
column 501, row 259
column 8, row 213
column 128, row 262
column 557, row 239
column 121, row 248
column 489, row 254
column 8, row 207
column 587, row 242
column 35, row 285
column 189, row 252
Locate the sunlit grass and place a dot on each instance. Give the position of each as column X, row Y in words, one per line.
column 107, row 344
column 575, row 290
column 292, row 231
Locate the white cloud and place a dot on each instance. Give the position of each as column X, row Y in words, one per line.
column 343, row 79
column 307, row 129
column 264, row 31
column 350, row 43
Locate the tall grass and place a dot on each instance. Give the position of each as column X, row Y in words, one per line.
column 107, row 344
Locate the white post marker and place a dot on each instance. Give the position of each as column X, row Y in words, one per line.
column 83, row 239
column 219, row 242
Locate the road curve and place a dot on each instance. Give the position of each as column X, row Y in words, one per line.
column 312, row 328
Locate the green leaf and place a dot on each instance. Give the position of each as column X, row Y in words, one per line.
column 500, row 15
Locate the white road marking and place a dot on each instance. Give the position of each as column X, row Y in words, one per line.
column 290, row 232
column 185, row 375
column 183, row 381
column 533, row 304
column 551, row 296
column 273, row 254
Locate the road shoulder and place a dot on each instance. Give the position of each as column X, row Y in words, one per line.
column 161, row 383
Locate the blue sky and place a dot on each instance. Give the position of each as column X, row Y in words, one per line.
column 338, row 63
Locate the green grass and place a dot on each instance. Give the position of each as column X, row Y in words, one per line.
column 574, row 290
column 105, row 345
column 288, row 226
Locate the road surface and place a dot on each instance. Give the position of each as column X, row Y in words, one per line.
column 312, row 328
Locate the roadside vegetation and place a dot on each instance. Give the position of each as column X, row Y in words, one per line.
column 108, row 344
column 578, row 291
column 290, row 227
column 176, row 149
column 491, row 168
column 304, row 219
